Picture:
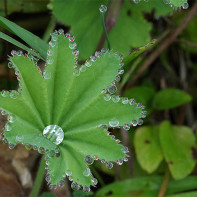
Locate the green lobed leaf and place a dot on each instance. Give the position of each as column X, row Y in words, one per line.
column 148, row 148
column 73, row 102
column 177, row 143
column 33, row 41
column 170, row 98
column 130, row 31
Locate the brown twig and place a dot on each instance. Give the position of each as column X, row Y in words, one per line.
column 170, row 38
column 164, row 183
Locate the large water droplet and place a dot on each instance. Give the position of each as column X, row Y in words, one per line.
column 46, row 75
column 60, row 31
column 49, row 52
column 112, row 89
column 5, row 93
column 87, row 172
column 61, row 183
column 10, row 65
column 14, row 94
column 132, row 101
column 83, row 68
column 115, row 99
column 93, row 58
column 89, row 160
column 107, row 97
column 49, row 60
column 11, row 146
column 134, row 123
column 103, row 8
column 53, row 36
column 75, row 186
column 54, row 133
column 118, row 78
column 76, row 72
column 50, row 154
column 75, row 52
column 109, row 165
column 140, row 122
column 113, row 123
column 125, row 100
column 88, row 63
column 13, row 52
column 48, row 179
column 98, row 54
column 72, row 45
column 71, row 38
column 119, row 162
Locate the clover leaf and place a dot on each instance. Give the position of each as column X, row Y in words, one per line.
column 65, row 111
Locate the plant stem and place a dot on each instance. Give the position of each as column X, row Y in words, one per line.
column 104, row 30
column 165, row 183
column 49, row 29
column 39, row 179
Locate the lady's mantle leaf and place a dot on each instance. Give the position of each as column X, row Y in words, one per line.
column 72, row 99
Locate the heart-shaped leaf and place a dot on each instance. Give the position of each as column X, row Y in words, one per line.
column 65, row 111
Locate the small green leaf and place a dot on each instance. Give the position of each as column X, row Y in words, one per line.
column 177, row 143
column 148, row 148
column 170, row 98
column 33, row 41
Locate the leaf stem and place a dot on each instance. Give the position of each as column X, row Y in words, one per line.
column 39, row 179
column 49, row 29
column 104, row 30
column 165, row 183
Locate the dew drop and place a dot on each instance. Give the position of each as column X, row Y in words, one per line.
column 94, row 181
column 102, row 161
column 98, row 54
column 75, row 186
column 125, row 149
column 75, row 52
column 76, row 72
column 136, row 1
column 132, row 101
column 104, row 127
column 126, row 127
column 71, row 38
column 10, row 65
column 103, row 8
column 139, row 105
column 113, row 123
column 14, row 94
column 119, row 162
column 112, row 89
column 140, row 122
column 60, row 31
column 47, row 179
column 185, row 6
column 72, row 45
column 3, row 112
column 83, row 68
column 88, row 63
column 89, row 160
column 53, row 36
column 61, row 183
column 109, row 165
column 49, row 61
column 67, row 35
column 8, row 127
column 19, row 138
column 54, row 133
column 49, row 52
column 46, row 74
column 52, row 186
column 5, row 93
column 104, row 91
column 107, row 97
column 68, row 172
column 87, row 172
column 115, row 99
column 86, row 189
column 41, row 150
column 134, row 123
column 93, row 58
column 118, row 78
column 11, row 146
column 104, row 50
column 125, row 100
column 28, row 147
column 125, row 159
column 121, row 71
column 52, row 44
column 13, row 52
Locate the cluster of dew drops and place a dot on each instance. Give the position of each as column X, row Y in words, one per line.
column 184, row 6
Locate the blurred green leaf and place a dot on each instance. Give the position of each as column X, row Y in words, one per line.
column 141, row 94
column 33, row 41
column 130, row 31
column 146, row 187
column 18, row 44
column 170, row 98
column 82, row 193
column 23, row 6
column 188, row 194
column 148, row 148
column 177, row 143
